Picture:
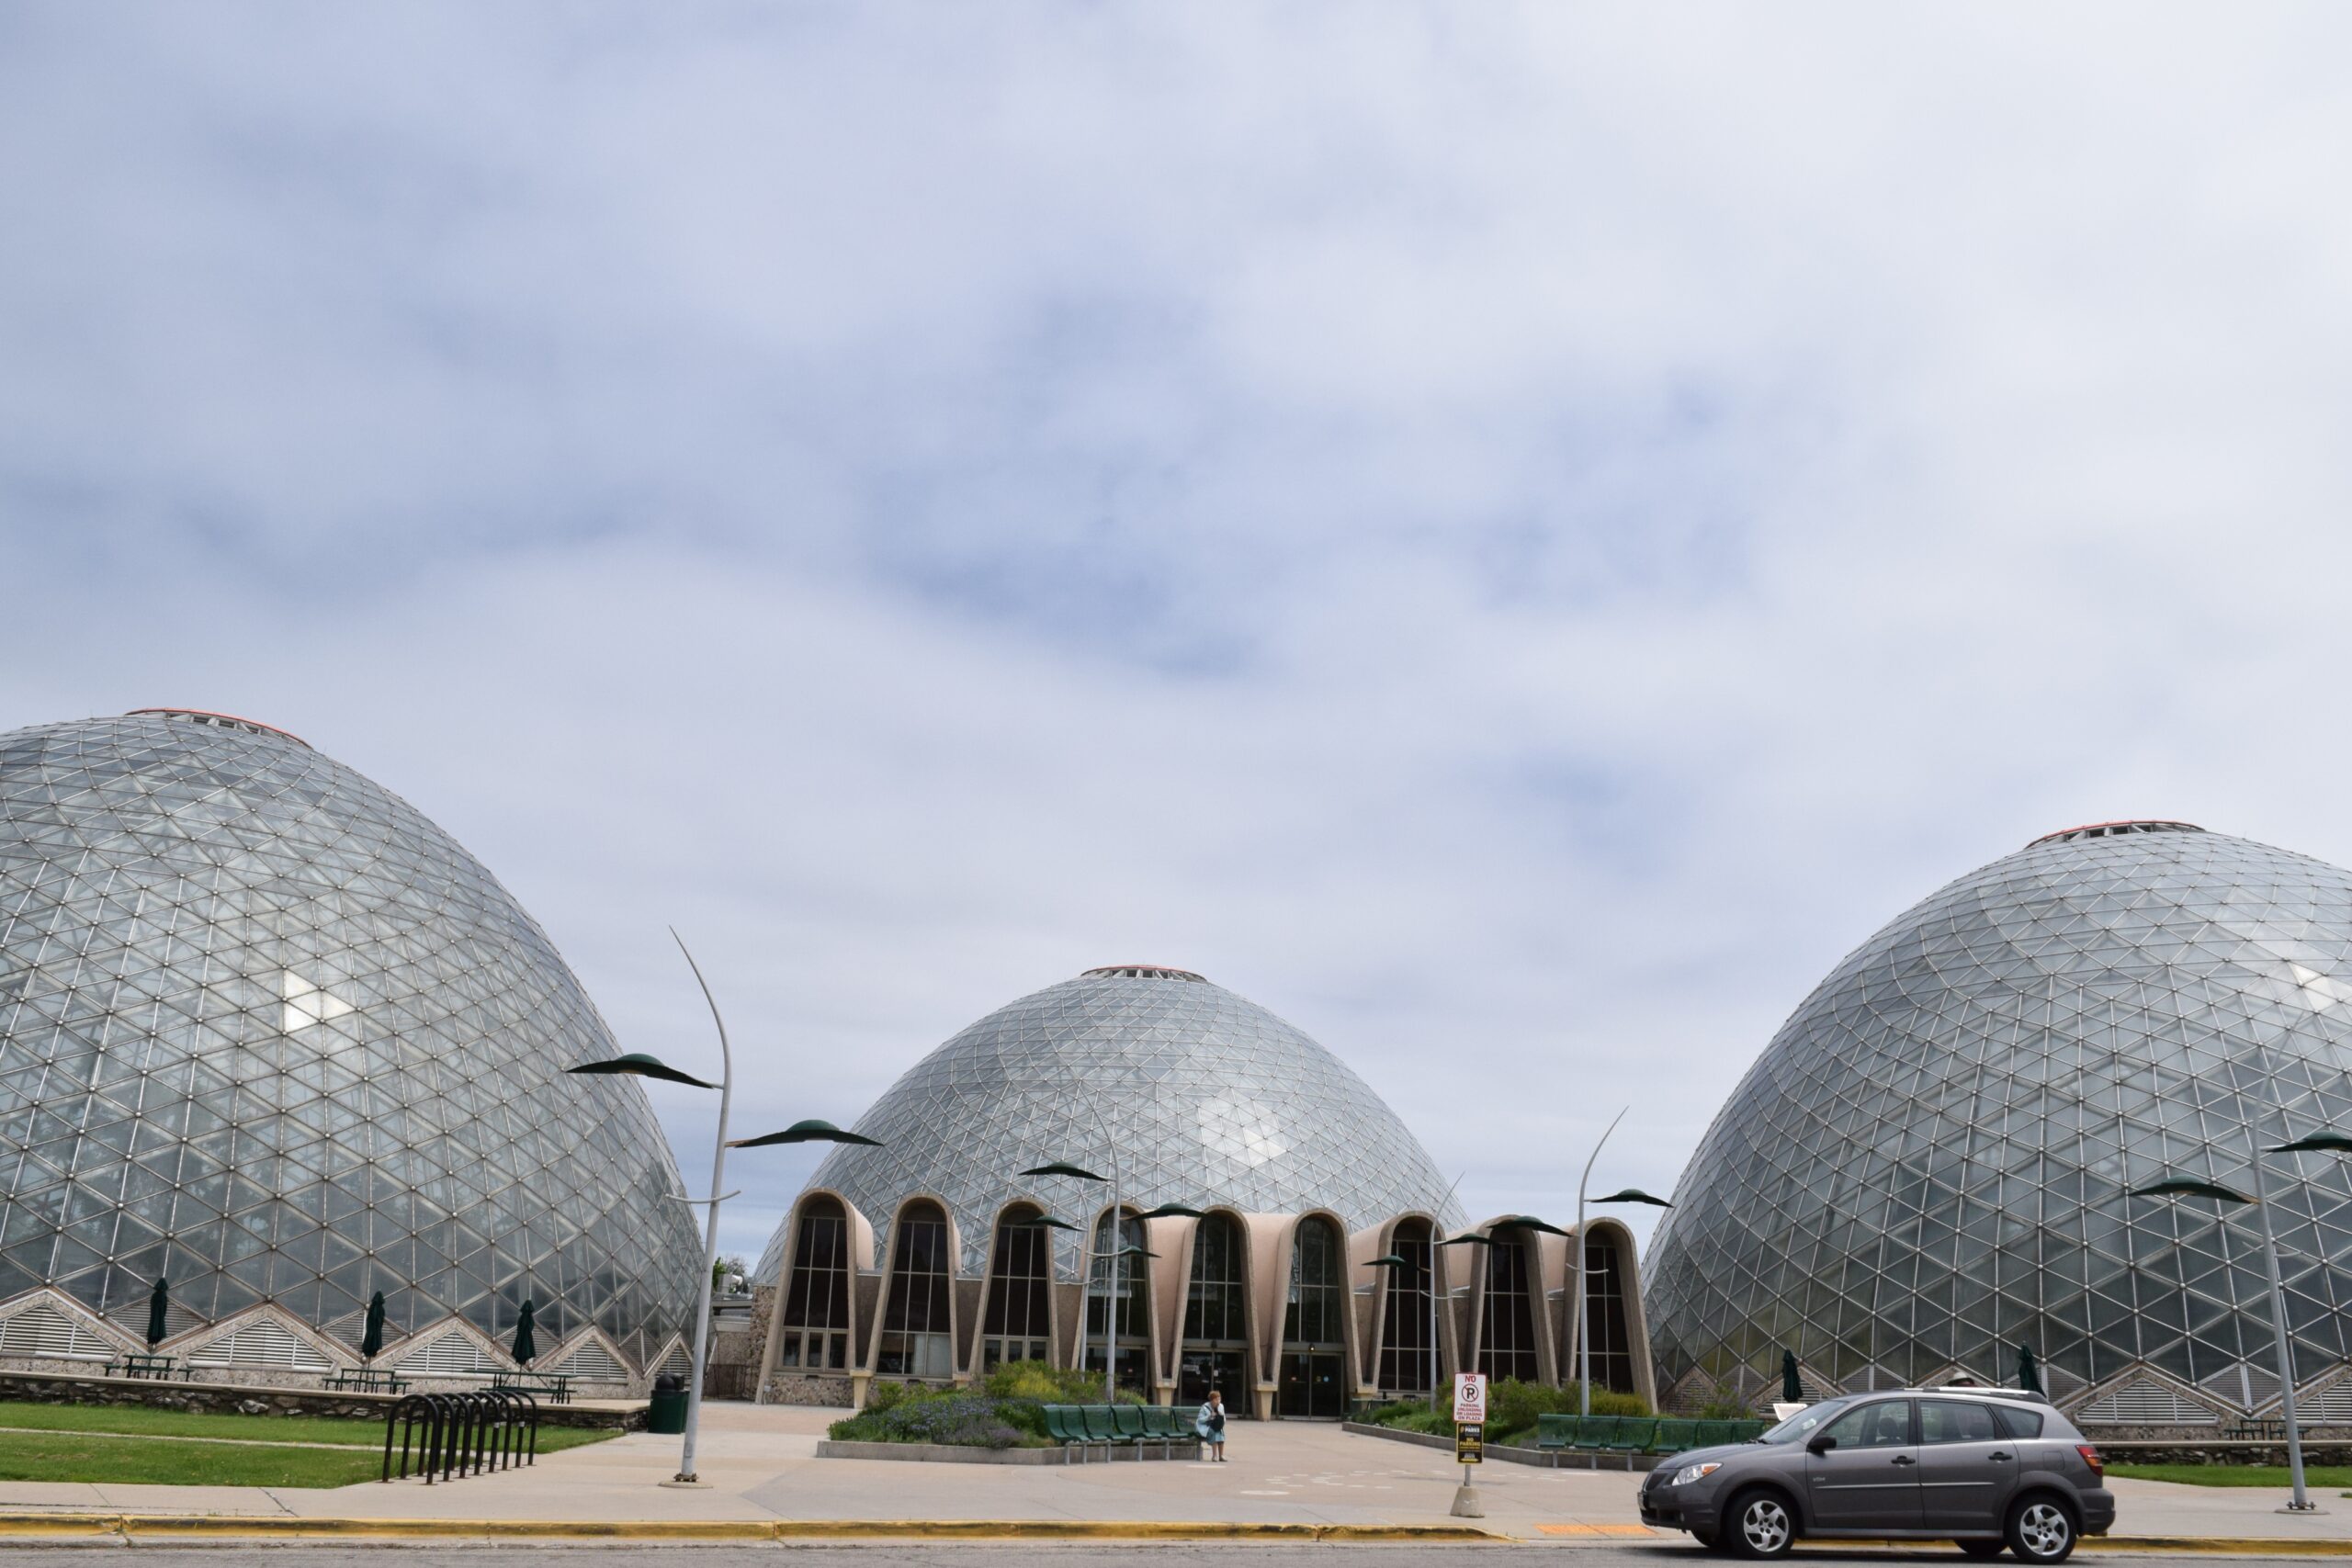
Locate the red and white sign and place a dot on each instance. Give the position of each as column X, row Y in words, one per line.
column 1469, row 1397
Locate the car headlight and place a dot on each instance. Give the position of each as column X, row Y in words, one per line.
column 1691, row 1473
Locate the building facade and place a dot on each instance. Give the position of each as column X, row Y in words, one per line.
column 1929, row 1165
column 269, row 1034
column 1255, row 1178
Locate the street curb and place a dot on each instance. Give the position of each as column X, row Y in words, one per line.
column 231, row 1526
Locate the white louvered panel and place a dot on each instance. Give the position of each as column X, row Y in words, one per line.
column 2330, row 1408
column 2147, row 1404
column 42, row 1330
column 449, row 1355
column 261, row 1343
column 593, row 1362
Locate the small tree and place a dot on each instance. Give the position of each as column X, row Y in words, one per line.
column 729, row 1267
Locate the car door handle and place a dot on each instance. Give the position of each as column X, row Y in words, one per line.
column 1903, row 1459
column 1996, row 1457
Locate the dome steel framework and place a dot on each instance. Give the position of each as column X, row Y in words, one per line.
column 1195, row 1095
column 1927, row 1165
column 268, row 1033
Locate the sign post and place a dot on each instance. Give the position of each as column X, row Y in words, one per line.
column 1469, row 1438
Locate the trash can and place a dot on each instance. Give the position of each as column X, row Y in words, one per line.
column 667, row 1413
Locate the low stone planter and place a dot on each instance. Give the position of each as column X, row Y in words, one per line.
column 1542, row 1459
column 956, row 1453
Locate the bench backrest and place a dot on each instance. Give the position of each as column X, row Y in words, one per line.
column 1055, row 1427
column 1159, row 1421
column 1637, row 1432
column 1555, row 1429
column 1598, row 1431
column 1675, row 1435
column 1099, row 1424
column 1129, row 1419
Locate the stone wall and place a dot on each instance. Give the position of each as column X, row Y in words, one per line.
column 800, row 1388
column 2216, row 1451
column 244, row 1399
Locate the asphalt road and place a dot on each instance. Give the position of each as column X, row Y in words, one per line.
column 884, row 1554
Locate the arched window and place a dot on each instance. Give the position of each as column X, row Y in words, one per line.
column 1406, row 1364
column 1313, row 1327
column 816, row 1302
column 1018, row 1326
column 1507, row 1328
column 1216, row 1352
column 1134, row 1302
column 915, row 1341
column 1604, row 1285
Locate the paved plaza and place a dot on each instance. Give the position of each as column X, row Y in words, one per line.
column 761, row 1466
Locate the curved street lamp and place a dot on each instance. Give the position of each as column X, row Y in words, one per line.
column 638, row 1064
column 2186, row 1187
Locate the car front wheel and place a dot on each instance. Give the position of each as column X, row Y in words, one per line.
column 1760, row 1525
column 2041, row 1531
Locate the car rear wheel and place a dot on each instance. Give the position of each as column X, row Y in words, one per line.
column 1760, row 1524
column 2042, row 1530
column 1981, row 1548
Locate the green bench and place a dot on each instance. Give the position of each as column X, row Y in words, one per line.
column 1638, row 1434
column 1081, row 1428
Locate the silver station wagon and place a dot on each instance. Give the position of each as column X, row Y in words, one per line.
column 1983, row 1468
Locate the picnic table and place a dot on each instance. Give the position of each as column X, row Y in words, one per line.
column 556, row 1386
column 140, row 1365
column 368, row 1380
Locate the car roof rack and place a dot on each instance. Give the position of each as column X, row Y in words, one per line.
column 2030, row 1397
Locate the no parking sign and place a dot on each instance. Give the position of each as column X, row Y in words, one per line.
column 1470, row 1396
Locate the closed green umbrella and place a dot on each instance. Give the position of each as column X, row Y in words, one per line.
column 158, row 1299
column 1792, row 1389
column 525, row 1348
column 371, row 1338
column 2027, row 1377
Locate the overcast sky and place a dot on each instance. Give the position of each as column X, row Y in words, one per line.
column 1513, row 536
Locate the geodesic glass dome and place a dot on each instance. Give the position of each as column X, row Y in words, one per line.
column 268, row 1032
column 1187, row 1092
column 1927, row 1165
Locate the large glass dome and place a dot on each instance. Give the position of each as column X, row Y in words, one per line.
column 268, row 1032
column 1928, row 1167
column 1193, row 1094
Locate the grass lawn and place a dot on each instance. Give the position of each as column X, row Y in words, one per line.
column 145, row 1422
column 2316, row 1476
column 71, row 1443
column 74, row 1456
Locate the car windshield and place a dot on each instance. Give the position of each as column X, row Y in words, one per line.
column 1806, row 1422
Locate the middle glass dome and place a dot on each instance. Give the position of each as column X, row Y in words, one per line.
column 1195, row 1095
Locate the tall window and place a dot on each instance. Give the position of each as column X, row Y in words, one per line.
column 816, row 1302
column 915, row 1342
column 1217, row 1318
column 1134, row 1302
column 1313, row 1327
column 1406, row 1365
column 1612, row 1353
column 1018, row 1322
column 1507, row 1328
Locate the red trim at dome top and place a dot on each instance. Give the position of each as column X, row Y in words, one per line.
column 2117, row 829
column 221, row 720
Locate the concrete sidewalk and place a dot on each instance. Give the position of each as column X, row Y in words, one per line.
column 761, row 1468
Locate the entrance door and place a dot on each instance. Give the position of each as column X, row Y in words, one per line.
column 1310, row 1385
column 1869, row 1478
column 1202, row 1370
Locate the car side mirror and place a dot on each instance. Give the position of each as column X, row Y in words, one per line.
column 1821, row 1445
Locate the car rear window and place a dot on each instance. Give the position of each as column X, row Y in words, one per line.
column 2016, row 1422
column 1955, row 1421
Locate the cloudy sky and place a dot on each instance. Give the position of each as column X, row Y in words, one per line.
column 1514, row 536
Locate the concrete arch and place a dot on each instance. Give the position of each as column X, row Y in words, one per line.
column 858, row 1237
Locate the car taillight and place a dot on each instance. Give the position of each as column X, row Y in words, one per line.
column 2090, row 1457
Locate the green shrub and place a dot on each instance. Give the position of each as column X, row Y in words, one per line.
column 1049, row 1385
column 1725, row 1410
column 906, row 1413
column 1413, row 1415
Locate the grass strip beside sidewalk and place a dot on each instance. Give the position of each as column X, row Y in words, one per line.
column 2317, row 1476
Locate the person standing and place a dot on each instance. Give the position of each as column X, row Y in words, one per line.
column 1210, row 1424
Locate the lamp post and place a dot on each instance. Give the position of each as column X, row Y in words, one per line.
column 1577, row 1336
column 1467, row 1238
column 636, row 1064
column 2182, row 1186
column 1436, row 1216
column 1118, row 1235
